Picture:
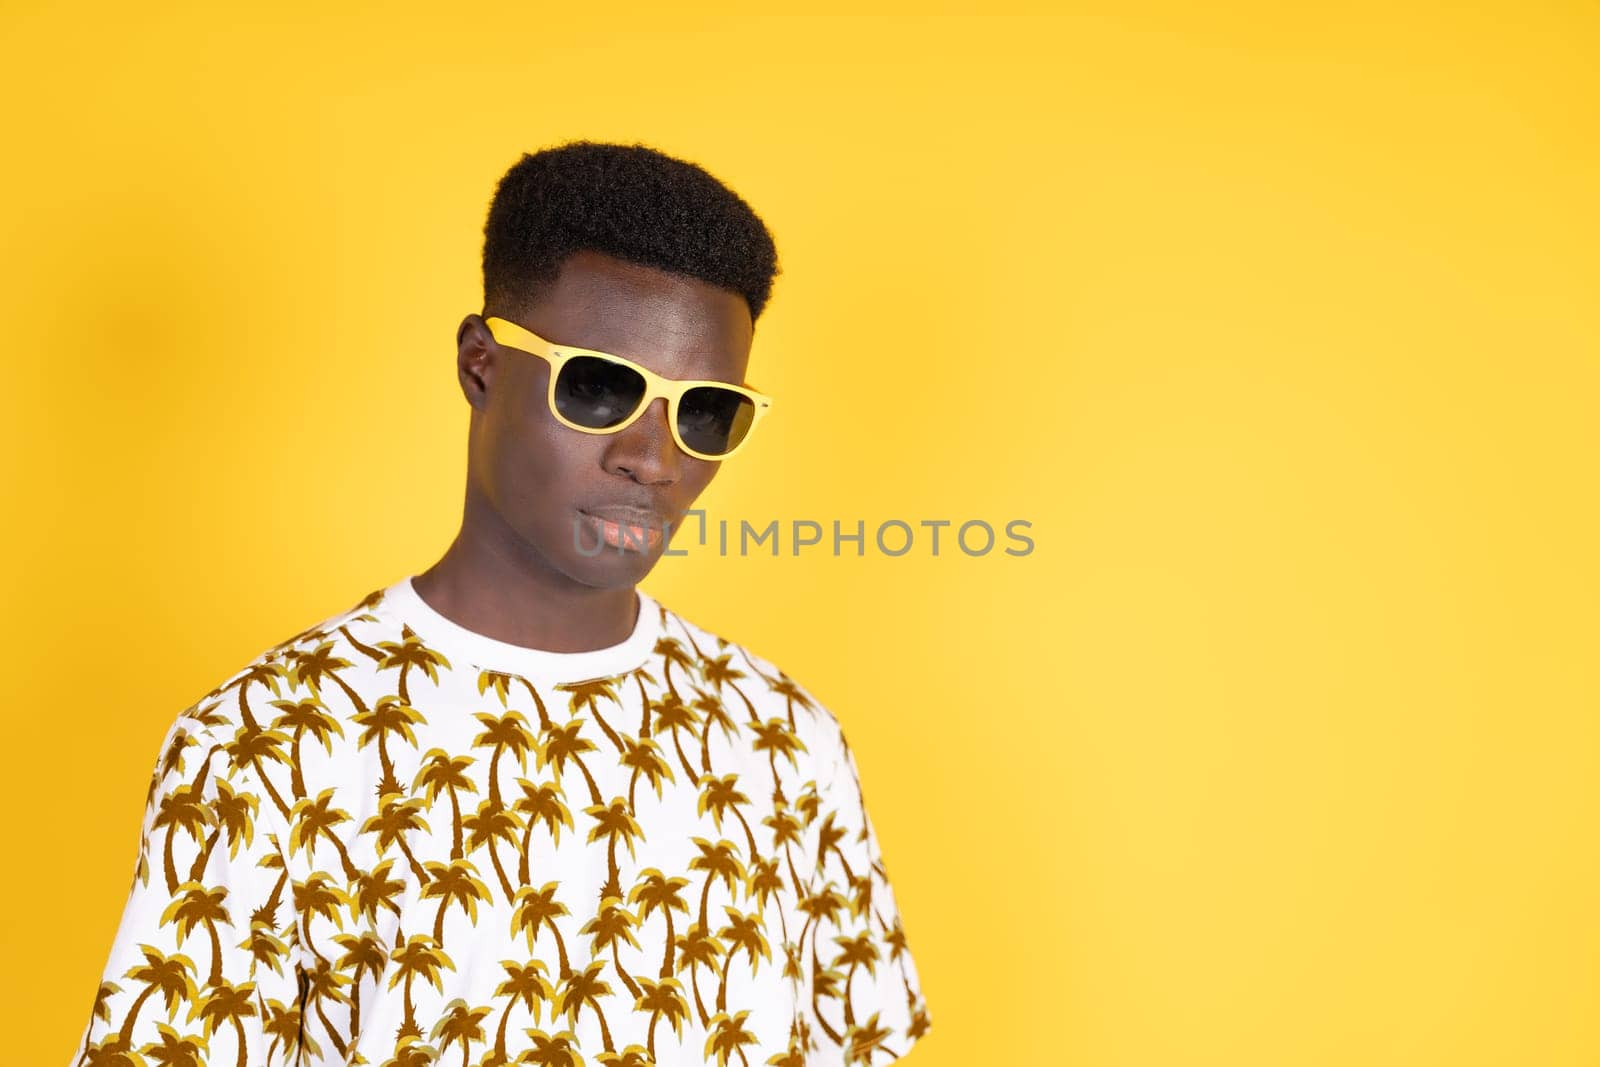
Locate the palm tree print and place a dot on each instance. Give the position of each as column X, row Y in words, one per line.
column 444, row 773
column 387, row 842
column 656, row 891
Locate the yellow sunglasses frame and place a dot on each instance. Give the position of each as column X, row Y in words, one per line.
column 522, row 339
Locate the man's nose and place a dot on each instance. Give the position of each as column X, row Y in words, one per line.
column 646, row 449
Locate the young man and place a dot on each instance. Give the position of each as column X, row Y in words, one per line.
column 513, row 809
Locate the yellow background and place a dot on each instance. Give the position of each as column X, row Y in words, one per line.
column 1280, row 327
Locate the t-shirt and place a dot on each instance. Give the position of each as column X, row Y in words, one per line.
column 391, row 839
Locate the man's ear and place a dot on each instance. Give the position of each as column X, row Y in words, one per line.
column 475, row 360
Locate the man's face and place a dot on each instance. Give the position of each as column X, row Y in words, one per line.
column 533, row 482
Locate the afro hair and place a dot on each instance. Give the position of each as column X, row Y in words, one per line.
column 624, row 200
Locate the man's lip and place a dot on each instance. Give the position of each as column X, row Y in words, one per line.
column 630, row 516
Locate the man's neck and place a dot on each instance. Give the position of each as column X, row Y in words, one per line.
column 522, row 602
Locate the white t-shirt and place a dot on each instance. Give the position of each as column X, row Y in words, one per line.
column 391, row 839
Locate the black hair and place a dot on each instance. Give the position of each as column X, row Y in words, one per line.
column 624, row 200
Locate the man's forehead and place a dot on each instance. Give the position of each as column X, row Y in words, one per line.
column 635, row 310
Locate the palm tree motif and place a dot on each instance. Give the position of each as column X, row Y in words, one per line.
column 613, row 821
column 865, row 1040
column 728, row 1036
column 454, row 883
column 407, row 654
column 671, row 653
column 764, row 882
column 235, row 816
column 285, row 1025
column 643, row 757
column 364, row 954
column 421, row 957
column 317, row 818
column 819, row 907
column 210, row 716
column 317, row 895
column 267, row 950
column 777, row 738
column 311, row 668
column 525, row 983
column 826, row 984
column 611, row 926
column 632, row 1056
column 720, row 860
column 373, row 890
column 200, row 905
column 587, row 695
column 712, row 713
column 251, row 747
column 170, row 763
column 895, row 938
column 411, row 1051
column 586, row 987
column 539, row 907
column 828, row 839
column 552, row 1050
column 808, row 804
column 663, row 999
column 541, row 802
column 299, row 718
column 501, row 683
column 396, row 817
column 672, row 715
column 919, row 1018
column 786, row 831
column 175, row 1049
column 787, row 688
column 565, row 742
column 461, row 1025
column 719, row 672
column 225, row 1003
column 391, row 715
column 504, row 733
column 656, row 890
column 443, row 773
column 181, row 809
column 490, row 823
column 858, row 951
column 324, row 983
column 698, row 948
column 721, row 795
column 268, row 673
column 171, row 976
column 743, row 932
column 861, row 894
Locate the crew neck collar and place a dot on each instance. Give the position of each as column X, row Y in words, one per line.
column 461, row 645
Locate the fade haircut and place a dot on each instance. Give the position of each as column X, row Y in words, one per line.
column 629, row 201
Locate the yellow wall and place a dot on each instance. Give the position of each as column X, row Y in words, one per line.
column 1279, row 749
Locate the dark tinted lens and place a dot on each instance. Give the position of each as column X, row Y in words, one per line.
column 713, row 420
column 596, row 392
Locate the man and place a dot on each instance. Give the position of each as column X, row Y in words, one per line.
column 513, row 809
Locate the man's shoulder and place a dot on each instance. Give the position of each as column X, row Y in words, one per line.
column 241, row 699
column 728, row 669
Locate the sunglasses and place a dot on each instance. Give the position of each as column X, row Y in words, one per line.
column 597, row 392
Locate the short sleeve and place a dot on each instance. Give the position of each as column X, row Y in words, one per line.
column 864, row 1003
column 199, row 963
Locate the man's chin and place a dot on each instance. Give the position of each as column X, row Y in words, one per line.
column 610, row 568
